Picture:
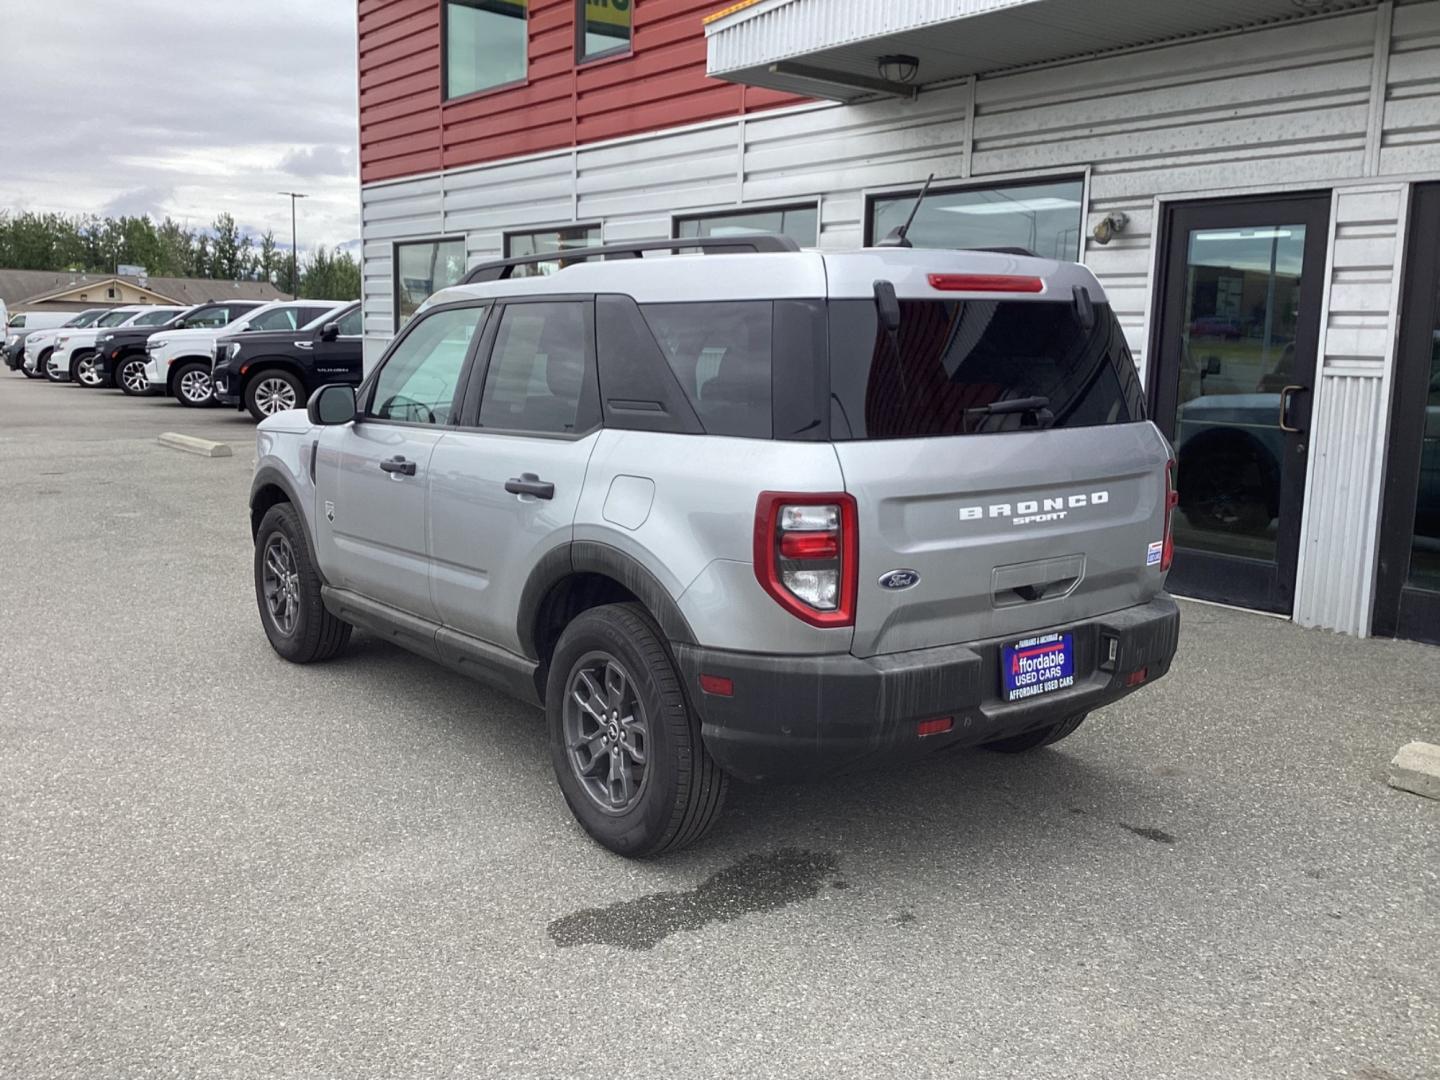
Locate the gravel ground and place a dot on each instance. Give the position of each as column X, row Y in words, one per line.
column 213, row 863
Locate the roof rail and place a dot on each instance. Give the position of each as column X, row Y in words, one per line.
column 754, row 243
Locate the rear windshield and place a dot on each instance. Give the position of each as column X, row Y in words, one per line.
column 951, row 359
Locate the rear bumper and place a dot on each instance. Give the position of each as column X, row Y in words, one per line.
column 798, row 716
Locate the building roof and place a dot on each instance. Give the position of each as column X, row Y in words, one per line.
column 21, row 287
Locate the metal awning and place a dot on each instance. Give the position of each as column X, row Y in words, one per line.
column 831, row 48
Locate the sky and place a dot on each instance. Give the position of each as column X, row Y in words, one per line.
column 185, row 108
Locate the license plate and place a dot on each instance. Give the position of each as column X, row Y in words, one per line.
column 1037, row 665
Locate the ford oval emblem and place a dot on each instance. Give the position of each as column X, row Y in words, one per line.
column 899, row 579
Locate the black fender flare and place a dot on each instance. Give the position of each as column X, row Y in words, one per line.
column 593, row 557
column 268, row 476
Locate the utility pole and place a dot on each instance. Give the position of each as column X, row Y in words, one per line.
column 294, row 247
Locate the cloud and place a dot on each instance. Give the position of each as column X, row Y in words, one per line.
column 328, row 160
column 215, row 110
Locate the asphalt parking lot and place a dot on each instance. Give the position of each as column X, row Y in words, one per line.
column 213, row 863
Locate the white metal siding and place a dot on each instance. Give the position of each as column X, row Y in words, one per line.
column 1329, row 103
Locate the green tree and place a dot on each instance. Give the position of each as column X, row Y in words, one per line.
column 328, row 275
column 229, row 258
column 268, row 258
column 200, row 255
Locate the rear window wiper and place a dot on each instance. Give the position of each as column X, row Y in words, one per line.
column 1037, row 406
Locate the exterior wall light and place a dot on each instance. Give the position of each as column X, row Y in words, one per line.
column 898, row 68
column 1111, row 224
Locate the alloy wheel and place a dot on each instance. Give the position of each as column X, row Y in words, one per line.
column 280, row 584
column 274, row 395
column 132, row 377
column 195, row 386
column 88, row 372
column 606, row 736
column 53, row 368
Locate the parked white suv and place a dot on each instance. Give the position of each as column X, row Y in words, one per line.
column 73, row 358
column 178, row 362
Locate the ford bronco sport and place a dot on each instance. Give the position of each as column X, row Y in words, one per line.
column 751, row 515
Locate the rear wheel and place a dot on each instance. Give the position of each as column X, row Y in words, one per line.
column 287, row 589
column 192, row 385
column 130, row 377
column 271, row 392
column 624, row 742
column 1033, row 740
column 85, row 370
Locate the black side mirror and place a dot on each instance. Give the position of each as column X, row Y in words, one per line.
column 330, row 331
column 332, row 404
column 887, row 306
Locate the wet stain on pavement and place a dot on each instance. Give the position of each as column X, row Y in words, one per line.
column 755, row 884
column 1160, row 836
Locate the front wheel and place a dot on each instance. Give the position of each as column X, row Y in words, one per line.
column 38, row 371
column 287, row 588
column 85, row 370
column 130, row 377
column 1033, row 740
column 624, row 742
column 192, row 385
column 271, row 392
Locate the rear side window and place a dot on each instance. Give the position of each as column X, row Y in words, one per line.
column 278, row 319
column 950, row 359
column 536, row 379
column 720, row 353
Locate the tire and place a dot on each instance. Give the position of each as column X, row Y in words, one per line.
column 273, row 391
column 677, row 795
column 1033, row 740
column 38, row 371
column 132, row 368
column 192, row 385
column 83, row 372
column 53, row 373
column 295, row 619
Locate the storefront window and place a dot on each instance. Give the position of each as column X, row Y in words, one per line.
column 422, row 269
column 1425, row 541
column 800, row 223
column 548, row 241
column 485, row 44
column 1041, row 218
column 604, row 27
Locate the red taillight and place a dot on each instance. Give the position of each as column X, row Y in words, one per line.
column 807, row 553
column 1172, row 500
column 1135, row 678
column 1006, row 283
column 938, row 726
column 718, row 685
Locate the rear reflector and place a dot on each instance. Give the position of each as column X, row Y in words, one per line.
column 938, row 726
column 1135, row 678
column 718, row 685
column 1002, row 283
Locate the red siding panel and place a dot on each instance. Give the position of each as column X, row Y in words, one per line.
column 407, row 128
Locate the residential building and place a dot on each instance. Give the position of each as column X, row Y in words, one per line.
column 66, row 290
column 1256, row 184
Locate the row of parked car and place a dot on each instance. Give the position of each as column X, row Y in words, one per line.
column 262, row 357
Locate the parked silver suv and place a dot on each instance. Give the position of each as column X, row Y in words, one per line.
column 752, row 515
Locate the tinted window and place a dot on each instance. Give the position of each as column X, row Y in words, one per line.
column 417, row 383
column 1043, row 218
column 536, row 377
column 604, row 27
column 545, row 242
column 800, row 223
column 114, row 318
column 720, row 353
column 423, row 268
column 213, row 317
column 18, row 322
column 154, row 318
column 352, row 324
column 956, row 357
column 277, row 319
column 485, row 44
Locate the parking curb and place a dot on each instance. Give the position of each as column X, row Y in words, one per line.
column 190, row 444
column 1416, row 768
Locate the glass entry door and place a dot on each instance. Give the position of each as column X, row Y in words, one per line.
column 1231, row 388
column 1407, row 601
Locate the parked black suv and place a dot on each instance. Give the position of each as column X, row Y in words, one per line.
column 120, row 353
column 270, row 371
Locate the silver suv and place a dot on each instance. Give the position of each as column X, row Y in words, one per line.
column 754, row 515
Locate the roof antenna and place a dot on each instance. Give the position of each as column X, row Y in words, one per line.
column 900, row 235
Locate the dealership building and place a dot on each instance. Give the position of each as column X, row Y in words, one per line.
column 1255, row 183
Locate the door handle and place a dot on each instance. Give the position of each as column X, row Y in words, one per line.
column 530, row 484
column 1287, row 395
column 399, row 465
